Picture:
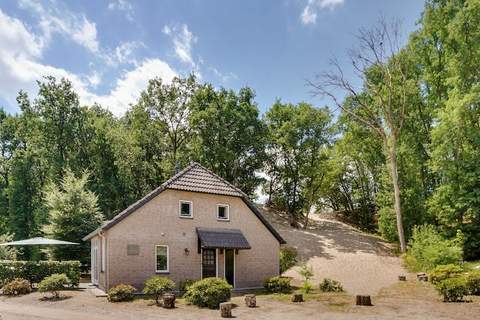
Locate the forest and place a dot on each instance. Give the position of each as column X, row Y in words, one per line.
column 401, row 149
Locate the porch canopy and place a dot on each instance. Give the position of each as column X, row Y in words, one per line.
column 37, row 242
column 216, row 238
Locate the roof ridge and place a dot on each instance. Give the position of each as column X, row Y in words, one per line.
column 179, row 174
column 222, row 179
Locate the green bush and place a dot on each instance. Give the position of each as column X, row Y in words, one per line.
column 473, row 282
column 156, row 286
column 453, row 289
column 288, row 258
column 442, row 272
column 329, row 285
column 17, row 287
column 36, row 271
column 278, row 285
column 430, row 249
column 121, row 292
column 208, row 292
column 183, row 287
column 53, row 284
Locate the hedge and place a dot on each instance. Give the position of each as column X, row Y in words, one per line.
column 36, row 271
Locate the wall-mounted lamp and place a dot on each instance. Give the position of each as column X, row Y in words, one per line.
column 187, row 251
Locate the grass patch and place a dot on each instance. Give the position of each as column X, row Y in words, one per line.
column 472, row 265
column 334, row 300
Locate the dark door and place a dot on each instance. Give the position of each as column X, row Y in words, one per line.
column 209, row 263
column 230, row 266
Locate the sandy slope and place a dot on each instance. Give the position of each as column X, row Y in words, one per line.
column 361, row 262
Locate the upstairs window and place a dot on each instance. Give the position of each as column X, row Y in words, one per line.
column 222, row 212
column 186, row 209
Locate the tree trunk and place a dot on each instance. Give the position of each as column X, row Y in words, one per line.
column 396, row 190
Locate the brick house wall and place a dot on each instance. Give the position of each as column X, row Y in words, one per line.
column 157, row 222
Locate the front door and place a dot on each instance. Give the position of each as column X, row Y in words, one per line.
column 209, row 263
column 230, row 266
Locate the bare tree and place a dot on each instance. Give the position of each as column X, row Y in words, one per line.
column 380, row 101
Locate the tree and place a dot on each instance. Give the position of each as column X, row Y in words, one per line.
column 170, row 105
column 73, row 213
column 298, row 135
column 451, row 36
column 384, row 98
column 61, row 122
column 228, row 136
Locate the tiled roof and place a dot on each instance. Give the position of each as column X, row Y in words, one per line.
column 212, row 238
column 199, row 179
column 194, row 178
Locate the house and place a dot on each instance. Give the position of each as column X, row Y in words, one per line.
column 195, row 225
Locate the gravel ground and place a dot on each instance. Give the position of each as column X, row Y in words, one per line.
column 362, row 263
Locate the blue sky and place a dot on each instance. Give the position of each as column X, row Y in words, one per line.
column 109, row 49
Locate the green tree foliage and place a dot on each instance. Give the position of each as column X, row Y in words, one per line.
column 453, row 26
column 229, row 136
column 73, row 213
column 169, row 106
column 297, row 140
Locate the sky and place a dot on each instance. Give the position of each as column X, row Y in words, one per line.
column 110, row 49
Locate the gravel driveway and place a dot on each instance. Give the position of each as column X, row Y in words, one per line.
column 362, row 263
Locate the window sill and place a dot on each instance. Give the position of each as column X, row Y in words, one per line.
column 162, row 272
column 185, row 217
column 223, row 220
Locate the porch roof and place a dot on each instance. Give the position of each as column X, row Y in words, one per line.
column 210, row 238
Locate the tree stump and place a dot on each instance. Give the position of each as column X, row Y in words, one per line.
column 251, row 300
column 297, row 297
column 402, row 278
column 169, row 300
column 226, row 309
column 423, row 277
column 364, row 300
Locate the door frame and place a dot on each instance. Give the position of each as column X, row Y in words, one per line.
column 225, row 265
column 94, row 261
column 216, row 263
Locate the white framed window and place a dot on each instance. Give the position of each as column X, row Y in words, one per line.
column 104, row 254
column 223, row 212
column 185, row 209
column 161, row 258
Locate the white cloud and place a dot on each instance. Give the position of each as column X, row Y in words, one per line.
column 309, row 13
column 122, row 5
column 128, row 87
column 20, row 67
column 124, row 52
column 52, row 20
column 183, row 40
column 224, row 77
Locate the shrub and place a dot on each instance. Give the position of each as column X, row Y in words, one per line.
column 453, row 289
column 156, row 286
column 430, row 249
column 17, row 287
column 443, row 272
column 208, row 292
column 306, row 272
column 473, row 282
column 54, row 284
column 121, row 292
column 183, row 287
column 36, row 271
column 329, row 285
column 278, row 285
column 288, row 258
